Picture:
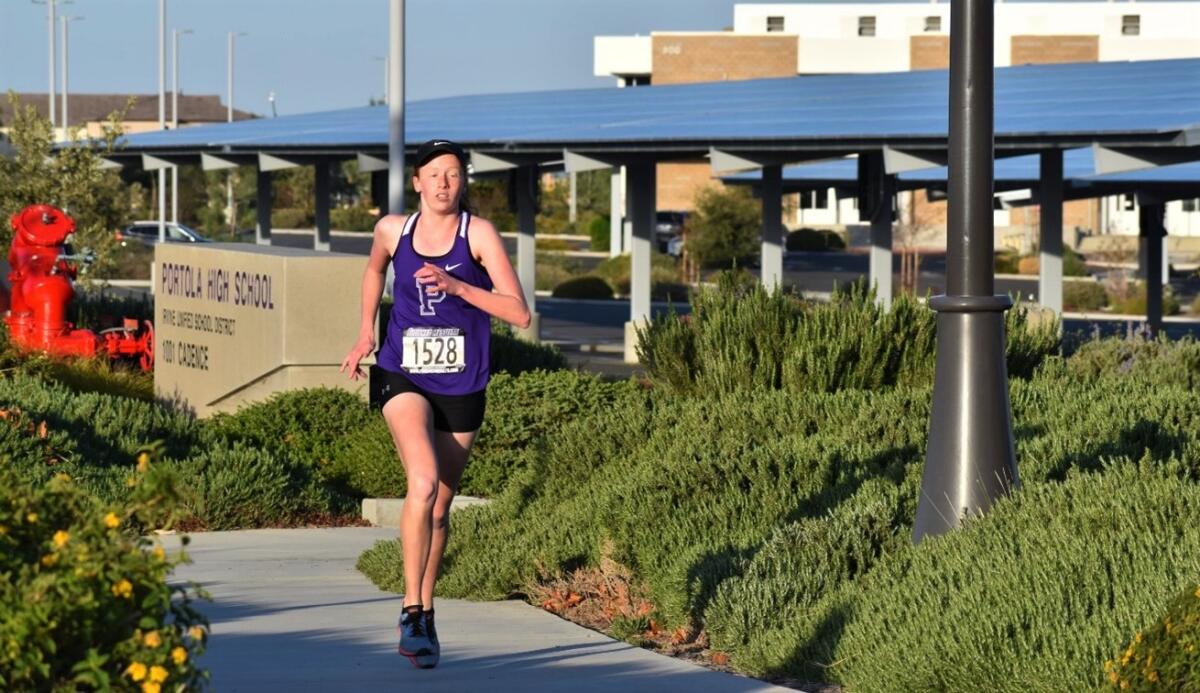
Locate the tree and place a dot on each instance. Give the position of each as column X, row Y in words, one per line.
column 70, row 178
column 725, row 228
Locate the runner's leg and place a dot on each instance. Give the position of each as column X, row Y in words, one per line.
column 452, row 452
column 410, row 419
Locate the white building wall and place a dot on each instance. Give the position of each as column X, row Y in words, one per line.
column 621, row 55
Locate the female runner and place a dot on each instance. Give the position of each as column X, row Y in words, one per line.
column 452, row 276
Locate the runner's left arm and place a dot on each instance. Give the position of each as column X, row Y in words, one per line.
column 506, row 301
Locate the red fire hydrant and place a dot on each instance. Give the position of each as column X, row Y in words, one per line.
column 40, row 281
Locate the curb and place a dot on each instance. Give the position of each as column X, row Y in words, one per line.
column 385, row 512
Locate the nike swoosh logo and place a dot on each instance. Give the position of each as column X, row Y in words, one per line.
column 451, row 268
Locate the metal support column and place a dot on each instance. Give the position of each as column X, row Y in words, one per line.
column 616, row 213
column 641, row 193
column 525, row 179
column 321, row 239
column 262, row 230
column 970, row 460
column 1153, row 234
column 1050, row 260
column 877, row 193
column 573, row 201
column 772, row 226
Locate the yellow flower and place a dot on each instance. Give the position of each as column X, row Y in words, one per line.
column 61, row 538
column 1124, row 684
column 179, row 656
column 151, row 687
column 31, row 518
column 112, row 521
column 49, row 559
column 159, row 553
column 3, row 530
column 152, row 639
column 136, row 671
column 124, row 588
column 196, row 632
column 1198, row 593
column 1112, row 676
column 158, row 674
column 1152, row 676
column 143, row 461
column 1138, row 637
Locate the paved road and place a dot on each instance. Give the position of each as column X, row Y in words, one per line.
column 290, row 613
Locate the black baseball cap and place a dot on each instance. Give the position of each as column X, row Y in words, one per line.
column 432, row 148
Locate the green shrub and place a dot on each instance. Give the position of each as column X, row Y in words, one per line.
column 85, row 598
column 814, row 240
column 725, row 228
column 1074, row 264
column 521, row 411
column 1033, row 595
column 1134, row 303
column 741, row 337
column 1163, row 656
column 1160, row 361
column 616, row 271
column 240, row 486
column 291, row 218
column 584, row 287
column 308, row 426
column 600, row 231
column 352, row 218
column 1006, row 262
column 551, row 271
column 513, row 355
column 1084, row 296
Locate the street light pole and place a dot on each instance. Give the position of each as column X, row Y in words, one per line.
column 66, row 22
column 175, row 34
column 52, row 24
column 229, row 119
column 395, row 95
column 162, row 116
column 970, row 460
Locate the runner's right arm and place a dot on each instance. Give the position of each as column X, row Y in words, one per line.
column 383, row 245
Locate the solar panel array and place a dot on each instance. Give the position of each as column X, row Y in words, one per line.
column 1042, row 103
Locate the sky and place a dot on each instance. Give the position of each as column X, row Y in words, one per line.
column 321, row 55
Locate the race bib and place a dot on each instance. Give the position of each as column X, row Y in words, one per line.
column 434, row 350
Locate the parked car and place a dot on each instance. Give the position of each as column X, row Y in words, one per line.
column 146, row 233
column 667, row 226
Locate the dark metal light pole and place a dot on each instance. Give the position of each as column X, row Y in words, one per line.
column 970, row 460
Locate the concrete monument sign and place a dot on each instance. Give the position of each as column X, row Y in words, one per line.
column 235, row 323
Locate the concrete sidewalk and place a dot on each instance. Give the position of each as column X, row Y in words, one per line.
column 290, row 612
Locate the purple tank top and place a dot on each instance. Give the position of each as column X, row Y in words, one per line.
column 439, row 342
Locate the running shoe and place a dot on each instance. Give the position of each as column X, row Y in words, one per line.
column 431, row 631
column 414, row 641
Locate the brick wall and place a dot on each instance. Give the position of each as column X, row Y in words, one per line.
column 678, row 184
column 931, row 52
column 1028, row 50
column 680, row 58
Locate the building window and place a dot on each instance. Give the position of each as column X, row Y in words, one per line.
column 933, row 24
column 814, row 199
column 1192, row 205
column 866, row 26
column 1131, row 25
column 774, row 24
column 1128, row 203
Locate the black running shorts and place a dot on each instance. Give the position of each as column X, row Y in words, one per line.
column 451, row 413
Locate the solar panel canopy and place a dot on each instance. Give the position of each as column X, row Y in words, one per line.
column 1118, row 103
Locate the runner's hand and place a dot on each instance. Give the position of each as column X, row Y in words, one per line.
column 361, row 349
column 437, row 279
